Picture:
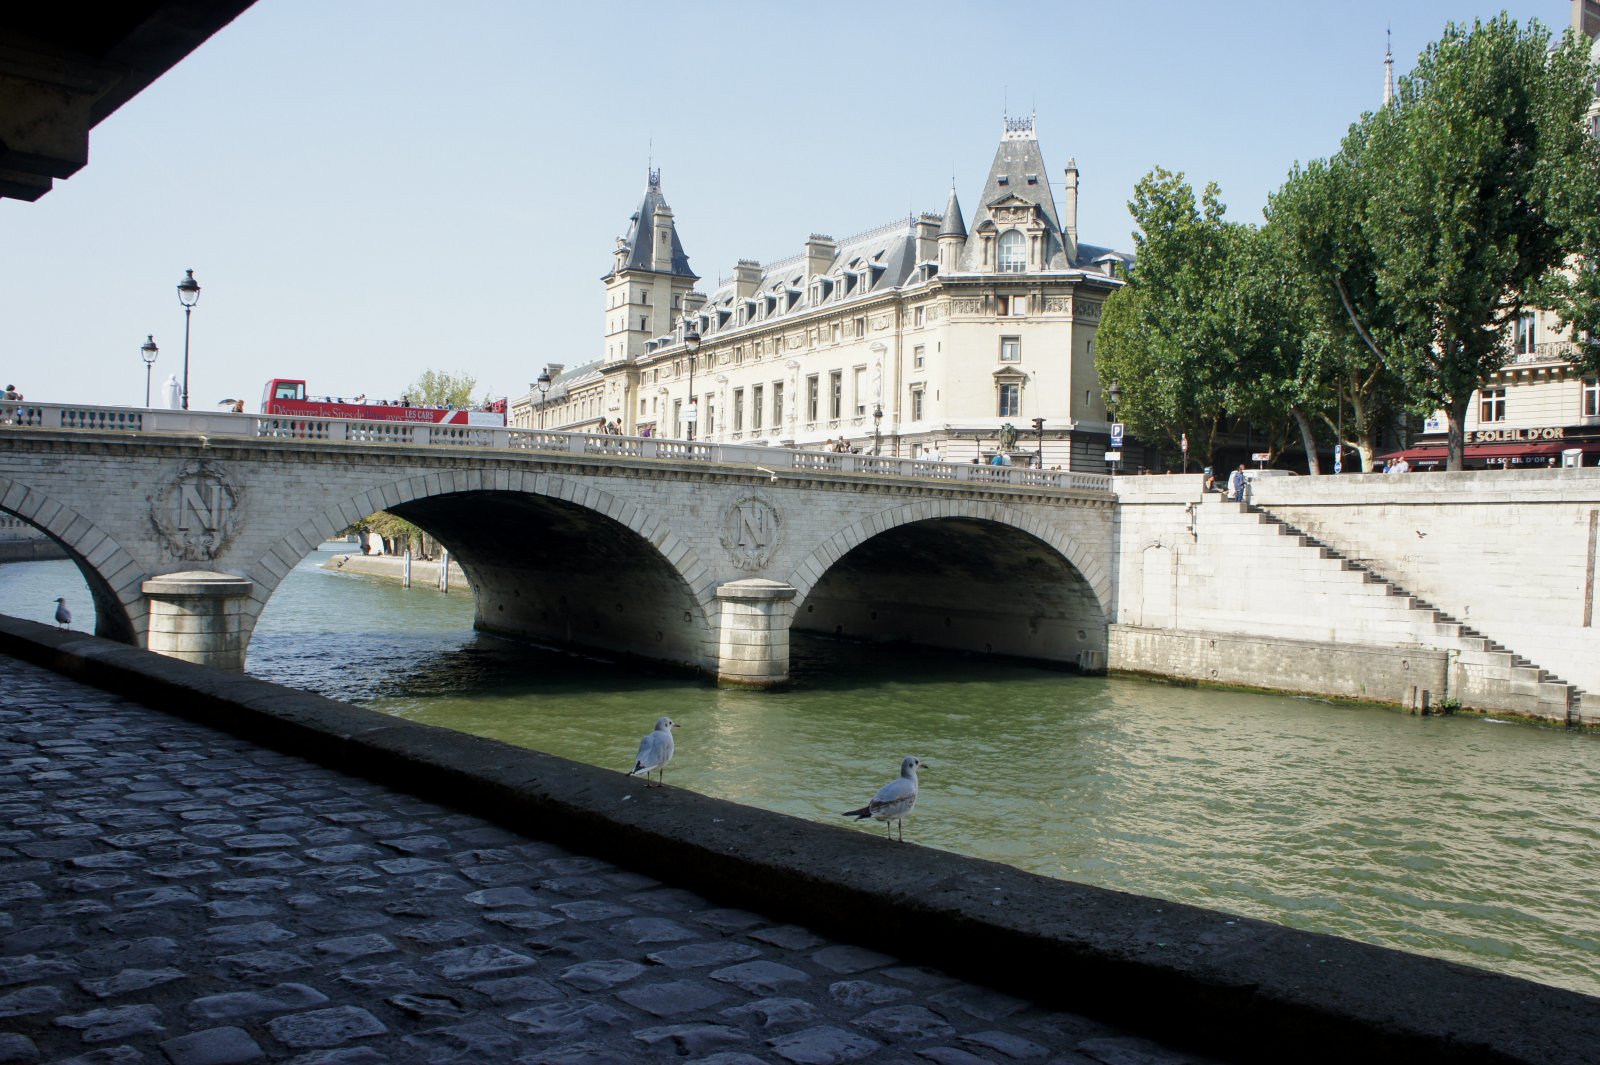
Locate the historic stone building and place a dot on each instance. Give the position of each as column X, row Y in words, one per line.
column 928, row 335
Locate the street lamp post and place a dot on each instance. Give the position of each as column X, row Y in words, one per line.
column 691, row 342
column 1114, row 401
column 543, row 385
column 188, row 295
column 877, row 434
column 148, row 352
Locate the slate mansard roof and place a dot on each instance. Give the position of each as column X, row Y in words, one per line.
column 885, row 259
column 641, row 228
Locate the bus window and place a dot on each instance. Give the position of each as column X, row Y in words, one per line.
column 290, row 390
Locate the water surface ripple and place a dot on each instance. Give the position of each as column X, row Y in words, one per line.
column 1458, row 837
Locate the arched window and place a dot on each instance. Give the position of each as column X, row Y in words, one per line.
column 1013, row 252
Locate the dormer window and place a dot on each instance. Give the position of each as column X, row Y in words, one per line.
column 1003, row 181
column 1013, row 252
column 1033, row 179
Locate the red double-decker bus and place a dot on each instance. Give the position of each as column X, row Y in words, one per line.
column 288, row 398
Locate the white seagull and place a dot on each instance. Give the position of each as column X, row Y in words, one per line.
column 63, row 615
column 894, row 800
column 655, row 751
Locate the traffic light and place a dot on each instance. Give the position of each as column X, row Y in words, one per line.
column 1038, row 425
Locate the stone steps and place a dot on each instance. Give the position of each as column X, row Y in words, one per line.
column 1525, row 678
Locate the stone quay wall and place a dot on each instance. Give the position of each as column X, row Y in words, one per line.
column 1242, row 989
column 1403, row 589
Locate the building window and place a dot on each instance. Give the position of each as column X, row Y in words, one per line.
column 1527, row 340
column 711, row 417
column 919, row 356
column 813, row 393
column 1013, row 252
column 1591, row 397
column 859, row 376
column 777, row 404
column 1492, row 405
column 861, row 327
column 755, row 406
column 677, row 419
column 1010, row 400
column 1010, row 349
column 1012, row 306
column 917, row 316
column 836, row 394
column 738, row 410
column 835, row 332
column 916, row 404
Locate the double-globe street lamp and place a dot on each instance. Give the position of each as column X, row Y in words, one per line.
column 188, row 295
column 691, row 343
column 877, row 434
column 148, row 352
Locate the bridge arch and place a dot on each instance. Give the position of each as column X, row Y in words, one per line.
column 551, row 558
column 112, row 574
column 971, row 575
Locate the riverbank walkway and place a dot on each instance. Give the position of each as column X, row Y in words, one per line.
column 170, row 893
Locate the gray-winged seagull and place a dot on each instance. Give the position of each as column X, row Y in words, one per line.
column 655, row 751
column 894, row 800
column 63, row 615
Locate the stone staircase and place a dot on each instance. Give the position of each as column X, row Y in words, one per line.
column 1533, row 689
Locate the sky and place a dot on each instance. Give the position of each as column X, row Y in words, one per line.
column 367, row 189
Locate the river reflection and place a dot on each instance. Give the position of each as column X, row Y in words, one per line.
column 1457, row 837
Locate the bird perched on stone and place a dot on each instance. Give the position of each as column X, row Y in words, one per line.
column 894, row 800
column 655, row 751
column 63, row 615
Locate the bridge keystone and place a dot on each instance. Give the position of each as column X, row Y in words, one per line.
column 198, row 616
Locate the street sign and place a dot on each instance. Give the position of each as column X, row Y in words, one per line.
column 1260, row 456
column 1185, row 442
column 1116, row 435
column 1338, row 458
column 1113, row 456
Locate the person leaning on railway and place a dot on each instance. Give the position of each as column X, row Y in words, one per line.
column 8, row 405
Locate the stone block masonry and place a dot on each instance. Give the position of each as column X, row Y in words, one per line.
column 1311, row 589
column 421, row 895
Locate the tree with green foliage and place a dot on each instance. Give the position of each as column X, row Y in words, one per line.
column 1468, row 194
column 438, row 388
column 1331, row 268
column 1160, row 335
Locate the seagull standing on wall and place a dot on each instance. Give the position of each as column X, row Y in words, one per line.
column 655, row 751
column 63, row 615
column 894, row 800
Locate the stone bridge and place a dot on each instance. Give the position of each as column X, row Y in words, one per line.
column 699, row 555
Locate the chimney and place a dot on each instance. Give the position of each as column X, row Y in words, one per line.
column 661, row 240
column 1069, row 216
column 820, row 253
column 928, row 237
column 746, row 277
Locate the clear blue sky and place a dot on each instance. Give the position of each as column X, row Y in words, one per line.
column 366, row 189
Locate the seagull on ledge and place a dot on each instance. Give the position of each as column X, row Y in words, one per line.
column 894, row 800
column 63, row 615
column 655, row 751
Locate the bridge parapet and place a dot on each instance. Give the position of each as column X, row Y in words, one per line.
column 337, row 431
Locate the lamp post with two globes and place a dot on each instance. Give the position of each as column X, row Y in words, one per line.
column 543, row 385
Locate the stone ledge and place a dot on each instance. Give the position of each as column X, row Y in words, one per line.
column 1243, row 988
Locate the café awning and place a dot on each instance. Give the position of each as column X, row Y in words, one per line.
column 1431, row 454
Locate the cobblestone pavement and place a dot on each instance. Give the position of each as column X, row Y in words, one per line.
column 169, row 893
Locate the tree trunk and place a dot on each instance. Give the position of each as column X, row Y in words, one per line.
column 1457, row 415
column 1308, row 439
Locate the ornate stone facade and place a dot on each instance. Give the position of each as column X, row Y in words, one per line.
column 915, row 338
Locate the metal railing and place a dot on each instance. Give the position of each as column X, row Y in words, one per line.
column 338, row 431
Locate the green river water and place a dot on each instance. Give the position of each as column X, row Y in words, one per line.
column 1462, row 837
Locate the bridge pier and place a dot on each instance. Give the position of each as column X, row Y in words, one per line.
column 198, row 616
column 753, row 637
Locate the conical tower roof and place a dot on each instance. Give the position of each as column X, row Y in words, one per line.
column 636, row 242
column 953, row 224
